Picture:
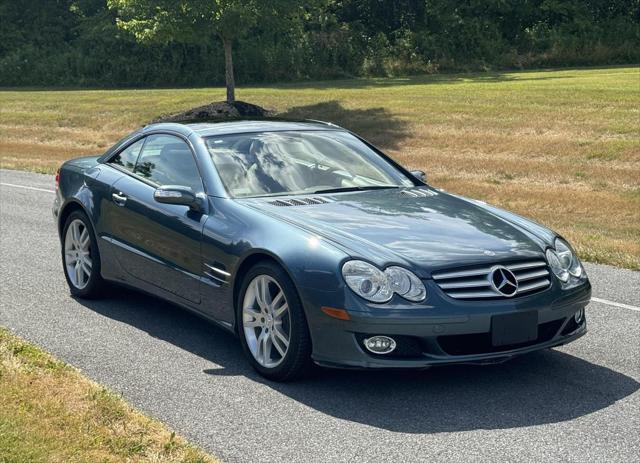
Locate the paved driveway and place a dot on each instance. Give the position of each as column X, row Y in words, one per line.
column 575, row 403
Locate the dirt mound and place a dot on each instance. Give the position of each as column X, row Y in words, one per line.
column 218, row 111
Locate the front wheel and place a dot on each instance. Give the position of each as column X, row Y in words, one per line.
column 272, row 325
column 80, row 257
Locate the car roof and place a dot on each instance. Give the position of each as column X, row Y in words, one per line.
column 213, row 128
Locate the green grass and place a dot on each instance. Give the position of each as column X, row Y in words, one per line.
column 559, row 146
column 49, row 412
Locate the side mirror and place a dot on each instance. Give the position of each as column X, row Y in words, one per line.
column 420, row 175
column 176, row 194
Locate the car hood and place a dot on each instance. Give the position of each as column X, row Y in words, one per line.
column 429, row 231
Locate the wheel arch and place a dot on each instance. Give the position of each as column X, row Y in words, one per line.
column 66, row 210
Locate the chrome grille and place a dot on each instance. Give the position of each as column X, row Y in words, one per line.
column 474, row 283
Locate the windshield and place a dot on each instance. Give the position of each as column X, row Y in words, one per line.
column 279, row 163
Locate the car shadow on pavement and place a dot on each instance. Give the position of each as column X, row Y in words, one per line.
column 545, row 387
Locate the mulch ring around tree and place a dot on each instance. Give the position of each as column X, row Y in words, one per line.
column 220, row 110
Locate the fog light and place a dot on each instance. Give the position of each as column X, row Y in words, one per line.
column 380, row 344
column 579, row 316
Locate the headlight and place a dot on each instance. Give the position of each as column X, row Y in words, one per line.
column 404, row 283
column 367, row 281
column 563, row 262
column 568, row 259
column 556, row 266
column 376, row 285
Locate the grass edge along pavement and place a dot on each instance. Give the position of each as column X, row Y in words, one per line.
column 49, row 412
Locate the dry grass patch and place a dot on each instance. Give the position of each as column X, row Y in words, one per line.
column 50, row 413
column 562, row 147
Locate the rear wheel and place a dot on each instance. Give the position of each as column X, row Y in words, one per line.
column 272, row 325
column 80, row 257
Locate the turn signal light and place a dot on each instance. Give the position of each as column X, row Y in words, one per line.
column 340, row 314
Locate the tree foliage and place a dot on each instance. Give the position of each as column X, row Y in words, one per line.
column 190, row 21
column 197, row 21
column 181, row 42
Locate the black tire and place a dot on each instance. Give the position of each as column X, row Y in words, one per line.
column 95, row 285
column 297, row 361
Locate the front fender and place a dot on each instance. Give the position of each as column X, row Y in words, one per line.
column 234, row 234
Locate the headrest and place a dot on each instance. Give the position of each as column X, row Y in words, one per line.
column 174, row 150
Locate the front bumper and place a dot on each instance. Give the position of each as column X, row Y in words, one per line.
column 447, row 331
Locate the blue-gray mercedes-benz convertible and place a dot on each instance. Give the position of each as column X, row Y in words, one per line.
column 314, row 246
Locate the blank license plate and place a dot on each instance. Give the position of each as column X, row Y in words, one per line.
column 514, row 328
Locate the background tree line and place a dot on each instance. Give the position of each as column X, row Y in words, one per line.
column 83, row 43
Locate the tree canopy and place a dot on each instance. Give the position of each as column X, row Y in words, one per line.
column 188, row 22
column 197, row 21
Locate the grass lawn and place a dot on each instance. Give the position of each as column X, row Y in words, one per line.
column 49, row 412
column 561, row 146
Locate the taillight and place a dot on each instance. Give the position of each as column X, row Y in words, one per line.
column 57, row 179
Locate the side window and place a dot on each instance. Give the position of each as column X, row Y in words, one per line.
column 167, row 160
column 127, row 158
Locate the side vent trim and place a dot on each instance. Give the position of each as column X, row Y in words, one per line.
column 216, row 273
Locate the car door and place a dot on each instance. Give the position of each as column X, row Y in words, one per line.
column 158, row 243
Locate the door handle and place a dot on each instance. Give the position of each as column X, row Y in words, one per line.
column 119, row 199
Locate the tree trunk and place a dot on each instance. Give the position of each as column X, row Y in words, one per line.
column 228, row 70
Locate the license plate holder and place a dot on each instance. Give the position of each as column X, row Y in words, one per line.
column 514, row 328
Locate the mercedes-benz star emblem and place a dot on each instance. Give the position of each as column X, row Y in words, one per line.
column 503, row 281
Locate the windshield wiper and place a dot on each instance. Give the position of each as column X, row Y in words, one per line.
column 355, row 188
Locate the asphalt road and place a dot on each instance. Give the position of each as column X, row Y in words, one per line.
column 575, row 403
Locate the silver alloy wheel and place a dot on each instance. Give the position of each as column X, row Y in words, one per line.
column 266, row 321
column 77, row 255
